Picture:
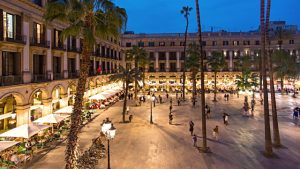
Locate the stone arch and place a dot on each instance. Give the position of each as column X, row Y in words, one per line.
column 45, row 94
column 61, row 90
column 20, row 99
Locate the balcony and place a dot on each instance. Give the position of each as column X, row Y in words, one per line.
column 41, row 78
column 39, row 43
column 73, row 75
column 17, row 39
column 57, row 76
column 11, row 80
column 59, row 46
column 73, row 49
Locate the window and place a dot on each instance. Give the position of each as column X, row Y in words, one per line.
column 161, row 44
column 235, row 43
column 151, row 56
column 246, row 42
column 8, row 23
column 182, row 43
column 37, row 32
column 151, row 44
column 172, row 56
column 291, row 41
column 141, row 44
column 172, row 44
column 214, row 43
column 257, row 42
column 225, row 43
column 203, row 43
column 173, row 67
column 128, row 44
column 162, row 67
column 162, row 56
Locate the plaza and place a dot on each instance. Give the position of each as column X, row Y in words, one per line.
column 151, row 146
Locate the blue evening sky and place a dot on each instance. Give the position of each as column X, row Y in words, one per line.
column 162, row 16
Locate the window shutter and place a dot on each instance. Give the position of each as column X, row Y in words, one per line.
column 54, row 38
column 18, row 27
column 1, row 24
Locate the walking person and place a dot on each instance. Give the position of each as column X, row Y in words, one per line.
column 170, row 118
column 208, row 113
column 178, row 102
column 127, row 110
column 171, row 107
column 130, row 118
column 191, row 127
column 160, row 99
column 225, row 118
column 167, row 95
column 216, row 133
column 171, row 100
column 252, row 105
column 194, row 140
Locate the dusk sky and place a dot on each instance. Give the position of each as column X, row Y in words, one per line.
column 162, row 16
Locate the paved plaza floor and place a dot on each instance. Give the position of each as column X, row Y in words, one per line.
column 140, row 145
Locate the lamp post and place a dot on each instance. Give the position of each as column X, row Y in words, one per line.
column 152, row 99
column 109, row 131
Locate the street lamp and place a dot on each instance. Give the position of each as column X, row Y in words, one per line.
column 152, row 99
column 110, row 131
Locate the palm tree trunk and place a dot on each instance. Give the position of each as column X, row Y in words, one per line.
column 215, row 87
column 184, row 59
column 268, row 139
column 125, row 100
column 194, row 85
column 135, row 83
column 204, row 142
column 281, row 84
column 71, row 152
column 272, row 90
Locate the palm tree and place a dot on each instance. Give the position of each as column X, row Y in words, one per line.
column 186, row 12
column 88, row 19
column 216, row 63
column 192, row 63
column 284, row 62
column 276, row 134
column 246, row 81
column 140, row 58
column 268, row 139
column 204, row 142
column 126, row 76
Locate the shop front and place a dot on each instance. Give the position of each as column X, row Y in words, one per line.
column 8, row 118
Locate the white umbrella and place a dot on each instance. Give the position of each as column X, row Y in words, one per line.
column 50, row 118
column 65, row 110
column 7, row 144
column 24, row 131
column 98, row 97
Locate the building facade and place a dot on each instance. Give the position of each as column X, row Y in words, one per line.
column 38, row 71
column 166, row 55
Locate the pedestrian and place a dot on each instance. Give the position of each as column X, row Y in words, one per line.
column 296, row 113
column 225, row 118
column 191, row 127
column 176, row 95
column 127, row 110
column 160, row 99
column 178, row 102
column 194, row 140
column 252, row 105
column 225, row 97
column 171, row 100
column 170, row 118
column 130, row 118
column 216, row 133
column 194, row 102
column 171, row 107
column 208, row 113
column 167, row 95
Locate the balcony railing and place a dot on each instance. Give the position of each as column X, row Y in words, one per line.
column 73, row 75
column 41, row 78
column 17, row 39
column 59, row 46
column 39, row 42
column 57, row 76
column 73, row 49
column 11, row 80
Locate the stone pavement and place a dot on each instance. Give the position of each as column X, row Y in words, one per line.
column 140, row 145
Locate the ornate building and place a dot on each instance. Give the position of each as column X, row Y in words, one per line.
column 166, row 55
column 38, row 70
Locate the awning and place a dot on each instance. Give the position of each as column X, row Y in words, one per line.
column 24, row 131
column 7, row 144
column 50, row 118
column 98, row 97
column 65, row 110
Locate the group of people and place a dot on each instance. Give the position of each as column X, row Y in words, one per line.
column 226, row 97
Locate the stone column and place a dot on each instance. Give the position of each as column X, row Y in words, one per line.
column 167, row 61
column 94, row 62
column 65, row 62
column 49, row 56
column 156, row 66
column 26, row 52
column 23, row 114
column 230, row 61
column 178, row 61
